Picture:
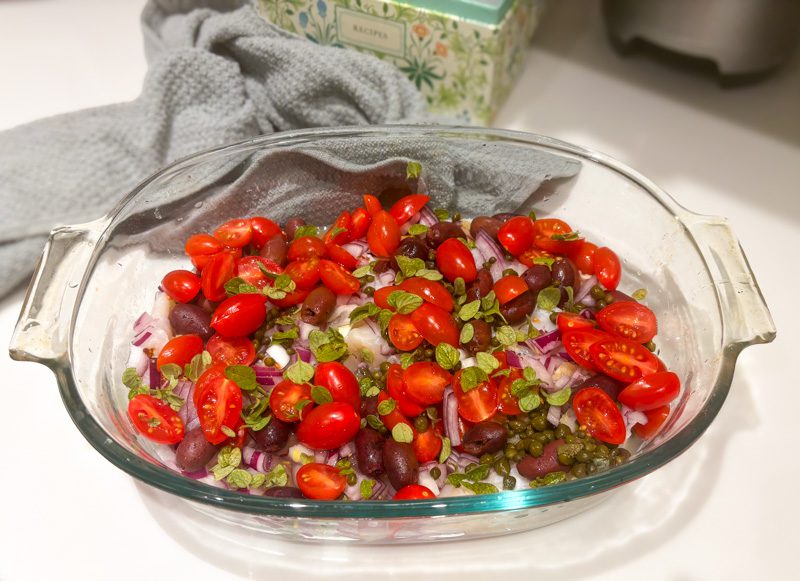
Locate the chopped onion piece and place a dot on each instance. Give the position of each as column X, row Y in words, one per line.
column 279, row 354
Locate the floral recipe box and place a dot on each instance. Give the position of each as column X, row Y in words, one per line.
column 463, row 55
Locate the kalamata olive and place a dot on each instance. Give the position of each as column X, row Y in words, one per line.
column 538, row 277
column 563, row 272
column 532, row 467
column 369, row 451
column 318, row 306
column 412, row 247
column 275, row 250
column 273, row 436
column 481, row 286
column 621, row 297
column 611, row 386
column 504, row 217
column 187, row 319
column 517, row 309
column 369, row 406
column 485, row 438
column 292, row 224
column 481, row 337
column 283, row 492
column 487, row 224
column 194, row 451
column 441, row 231
column 381, row 265
column 400, row 463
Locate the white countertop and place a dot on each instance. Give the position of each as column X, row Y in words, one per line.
column 727, row 509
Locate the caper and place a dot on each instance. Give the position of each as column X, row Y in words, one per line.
column 601, row 305
column 486, row 459
column 290, row 350
column 385, row 367
column 535, row 448
column 579, row 470
column 502, row 466
column 527, row 432
column 510, row 452
column 256, row 344
column 541, row 437
column 515, row 426
column 550, row 435
column 583, row 456
column 601, row 451
column 368, row 290
column 539, row 423
column 352, row 479
column 597, row 292
column 650, row 346
column 421, row 423
column 566, row 459
column 509, row 482
column 519, row 455
column 525, row 419
column 569, row 438
column 509, row 272
column 562, row 431
column 435, row 472
column 376, row 375
column 589, row 446
column 269, row 361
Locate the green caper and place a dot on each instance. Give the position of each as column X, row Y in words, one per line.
column 583, row 456
column 553, row 317
column 539, row 423
column 527, row 432
column 515, row 426
column 369, row 291
column 535, row 448
column 570, row 438
column 352, row 479
column 290, row 350
column 566, row 459
column 509, row 272
column 510, row 452
column 509, row 482
column 435, row 472
column 562, row 431
column 421, row 423
column 579, row 470
column 601, row 451
column 609, row 298
column 541, row 437
column 486, row 459
column 601, row 304
column 550, row 435
column 385, row 367
column 502, row 466
column 597, row 292
column 519, row 455
column 457, row 218
column 376, row 375
column 589, row 446
column 650, row 346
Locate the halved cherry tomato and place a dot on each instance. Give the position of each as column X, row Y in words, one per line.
column 291, row 299
column 430, row 291
column 337, row 278
column 208, row 377
column 507, row 402
column 320, row 481
column 155, row 420
column 414, row 492
column 425, row 382
column 239, row 315
column 607, row 267
column 545, row 229
column 583, row 257
column 231, row 350
column 360, row 221
column 426, row 445
column 477, row 404
column 306, row 247
column 403, row 334
column 453, row 259
column 181, row 285
column 216, row 273
column 235, row 233
column 179, row 350
column 304, row 273
column 219, row 404
column 655, row 419
column 578, row 342
column 572, row 321
column 251, row 270
column 342, row 257
column 502, row 359
column 516, row 235
column 651, row 391
column 405, row 208
column 528, row 258
column 381, row 296
column 395, row 416
column 340, row 382
column 510, row 287
column 383, row 235
column 329, row 426
column 435, row 325
column 630, row 320
column 397, row 390
column 622, row 359
column 263, row 230
column 201, row 247
column 598, row 413
column 342, row 226
column 372, row 204
column 286, row 397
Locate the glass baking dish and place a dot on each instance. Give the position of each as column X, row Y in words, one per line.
column 95, row 279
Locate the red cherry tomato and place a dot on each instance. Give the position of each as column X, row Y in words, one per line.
column 231, row 350
column 516, row 235
column 329, row 426
column 208, row 377
column 426, row 445
column 337, row 278
column 395, row 416
column 340, row 382
column 435, row 325
column 510, row 287
column 381, row 296
column 320, row 481
column 403, row 334
column 477, row 404
column 583, row 257
column 360, row 221
column 304, row 273
column 397, row 391
column 216, row 273
column 430, row 291
column 342, row 226
column 528, row 258
column 201, row 247
column 181, row 285
column 235, row 233
column 578, row 342
column 405, row 208
column 263, row 230
column 251, row 270
column 219, row 404
column 502, row 359
column 544, row 230
column 239, row 315
column 571, row 322
column 286, row 397
column 630, row 320
column 155, row 420
column 414, row 492
column 180, row 350
column 425, row 382
column 306, row 247
column 453, row 259
column 342, row 257
column 383, row 235
column 598, row 413
column 655, row 419
column 372, row 204
column 507, row 403
column 651, row 391
column 291, row 299
column 622, row 359
column 607, row 267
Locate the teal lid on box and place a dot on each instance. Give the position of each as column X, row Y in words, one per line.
column 487, row 11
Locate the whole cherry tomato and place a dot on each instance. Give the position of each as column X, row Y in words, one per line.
column 306, row 247
column 219, row 404
column 454, row 260
column 622, row 359
column 630, row 320
column 181, row 285
column 425, row 382
column 516, row 235
column 286, row 400
column 403, row 334
column 329, row 426
column 239, row 315
column 655, row 419
column 430, row 291
column 381, row 296
column 607, row 267
column 477, row 404
column 405, row 208
column 651, row 391
column 507, row 402
column 546, row 233
column 510, row 287
column 235, row 233
column 231, row 350
column 571, row 322
column 201, row 247
column 598, row 413
column 372, row 205
column 397, row 391
column 251, row 270
column 435, row 325
column 340, row 382
column 180, row 350
column 337, row 278
column 383, row 235
column 155, row 420
column 304, row 273
column 291, row 299
column 360, row 221
column 320, row 481
column 426, row 445
column 583, row 257
column 342, row 257
column 342, row 227
column 263, row 230
column 216, row 273
column 414, row 492
column 578, row 342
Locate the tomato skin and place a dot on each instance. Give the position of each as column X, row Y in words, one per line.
column 453, row 259
column 405, row 208
column 578, row 342
column 239, row 315
column 343, row 222
column 528, row 258
column 263, row 230
column 381, row 296
column 395, row 416
column 403, row 334
column 516, row 235
column 337, row 279
column 435, row 325
column 426, row 445
column 383, row 235
column 414, row 492
column 285, row 396
column 623, row 360
column 572, row 322
column 340, row 382
column 372, row 205
column 507, row 403
column 430, row 291
column 546, row 228
column 425, row 382
column 248, row 268
column 306, row 247
column 630, row 320
column 320, row 481
column 342, row 257
column 144, row 409
column 359, row 223
column 329, row 426
column 477, row 404
column 655, row 419
column 235, row 233
column 651, row 391
column 583, row 257
column 219, row 404
column 598, row 413
column 510, row 287
column 181, row 285
column 231, row 350
column 201, row 247
column 304, row 273
column 291, row 299
column 607, row 267
column 397, row 391
column 179, row 350
column 208, row 377
column 216, row 273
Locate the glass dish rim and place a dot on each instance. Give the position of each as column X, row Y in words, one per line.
column 506, row 500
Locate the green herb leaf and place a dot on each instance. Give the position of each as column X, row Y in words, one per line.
column 365, row 488
column 447, row 356
column 321, row 395
column 442, row 214
column 383, row 319
column 472, row 377
column 197, row 366
column 285, row 337
column 221, row 472
column 558, row 398
column 258, row 480
column 429, row 274
column 243, row 376
column 487, row 362
column 238, row 286
column 477, row 473
column 444, row 454
column 300, row 405
column 409, row 266
column 467, row 333
column 529, row 373
column 567, row 236
column 228, row 432
column 257, row 424
column 459, row 286
column 639, row 294
column 362, row 312
column 404, row 302
column 402, row 433
column 469, row 310
column 131, row 379
column 306, row 230
column 239, row 478
column 431, row 412
column 506, row 335
column 299, row 372
column 417, row 229
column 374, row 422
column 519, row 387
column 171, row 370
column 406, row 359
column 277, row 476
column 530, row 402
column 480, row 487
column 412, row 169
column 549, row 479
column 545, row 260
column 386, row 407
column 228, row 459
column 363, row 271
column 548, row 298
column 327, row 346
column 335, row 231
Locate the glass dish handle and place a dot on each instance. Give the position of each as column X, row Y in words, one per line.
column 41, row 334
column 746, row 318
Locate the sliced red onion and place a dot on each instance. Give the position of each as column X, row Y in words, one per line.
column 386, row 278
column 584, row 289
column 192, row 424
column 427, row 217
column 304, row 354
column 450, row 417
column 428, row 466
column 546, row 342
column 356, row 248
column 631, row 418
column 144, row 321
column 535, row 361
column 152, row 377
column 554, row 415
column 512, row 357
column 587, row 314
column 347, row 450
